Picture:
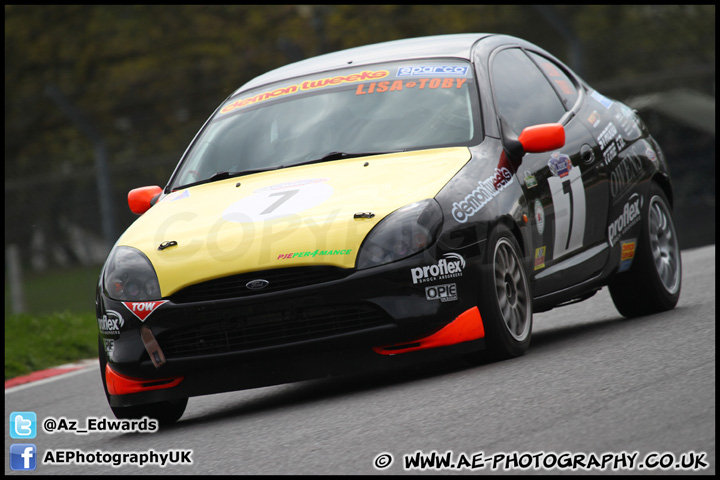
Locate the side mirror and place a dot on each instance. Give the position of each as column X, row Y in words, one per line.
column 534, row 139
column 542, row 138
column 141, row 199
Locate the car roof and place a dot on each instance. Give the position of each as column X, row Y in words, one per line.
column 454, row 45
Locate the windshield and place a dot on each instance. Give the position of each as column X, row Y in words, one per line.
column 363, row 110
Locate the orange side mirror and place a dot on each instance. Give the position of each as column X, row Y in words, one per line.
column 141, row 199
column 542, row 138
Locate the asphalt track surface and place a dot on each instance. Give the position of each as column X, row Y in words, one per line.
column 592, row 386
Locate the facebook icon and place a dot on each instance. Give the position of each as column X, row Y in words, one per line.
column 23, row 456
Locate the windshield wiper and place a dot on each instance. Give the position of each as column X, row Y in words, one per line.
column 341, row 156
column 223, row 175
column 325, row 158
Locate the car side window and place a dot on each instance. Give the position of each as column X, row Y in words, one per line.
column 523, row 95
column 563, row 84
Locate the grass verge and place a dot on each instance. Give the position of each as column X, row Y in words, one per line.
column 53, row 291
column 35, row 342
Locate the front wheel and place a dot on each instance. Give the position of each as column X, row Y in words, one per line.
column 505, row 298
column 165, row 413
column 653, row 282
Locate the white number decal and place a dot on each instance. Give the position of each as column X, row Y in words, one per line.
column 279, row 201
column 284, row 197
column 568, row 197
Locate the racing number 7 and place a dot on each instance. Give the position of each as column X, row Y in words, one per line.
column 568, row 197
column 284, row 197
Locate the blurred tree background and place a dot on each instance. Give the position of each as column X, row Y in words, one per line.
column 139, row 81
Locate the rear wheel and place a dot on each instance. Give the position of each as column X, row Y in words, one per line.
column 165, row 413
column 505, row 300
column 653, row 282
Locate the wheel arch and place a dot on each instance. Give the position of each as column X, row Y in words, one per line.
column 508, row 321
column 663, row 181
column 512, row 225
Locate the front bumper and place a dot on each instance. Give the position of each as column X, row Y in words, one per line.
column 359, row 321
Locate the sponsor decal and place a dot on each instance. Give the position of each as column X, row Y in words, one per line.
column 629, row 121
column 564, row 86
column 558, row 79
column 625, row 174
column 549, row 68
column 487, row 190
column 539, row 258
column 450, row 266
column 278, row 201
column 626, row 120
column 607, row 135
column 399, row 85
column 643, row 148
column 610, row 153
column 110, row 323
column 560, row 164
column 305, row 86
column 444, row 293
column 143, row 310
column 530, row 180
column 594, row 118
column 610, row 142
column 630, row 215
column 602, row 99
column 539, row 217
column 627, row 253
column 109, row 345
column 177, row 196
column 650, row 154
column 432, row 70
column 321, row 253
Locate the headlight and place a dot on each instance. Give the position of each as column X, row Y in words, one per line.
column 129, row 276
column 404, row 232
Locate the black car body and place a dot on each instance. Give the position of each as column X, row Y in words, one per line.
column 428, row 197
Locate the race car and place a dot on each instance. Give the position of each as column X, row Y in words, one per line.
column 381, row 206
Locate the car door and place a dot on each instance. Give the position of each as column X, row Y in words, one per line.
column 566, row 190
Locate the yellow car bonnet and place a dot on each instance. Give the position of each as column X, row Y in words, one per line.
column 305, row 215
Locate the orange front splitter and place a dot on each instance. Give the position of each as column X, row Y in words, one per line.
column 467, row 326
column 118, row 384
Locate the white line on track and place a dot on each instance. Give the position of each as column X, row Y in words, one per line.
column 87, row 366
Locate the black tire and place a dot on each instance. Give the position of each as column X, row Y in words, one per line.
column 652, row 284
column 505, row 299
column 165, row 413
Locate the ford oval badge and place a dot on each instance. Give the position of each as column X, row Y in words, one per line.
column 257, row 284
